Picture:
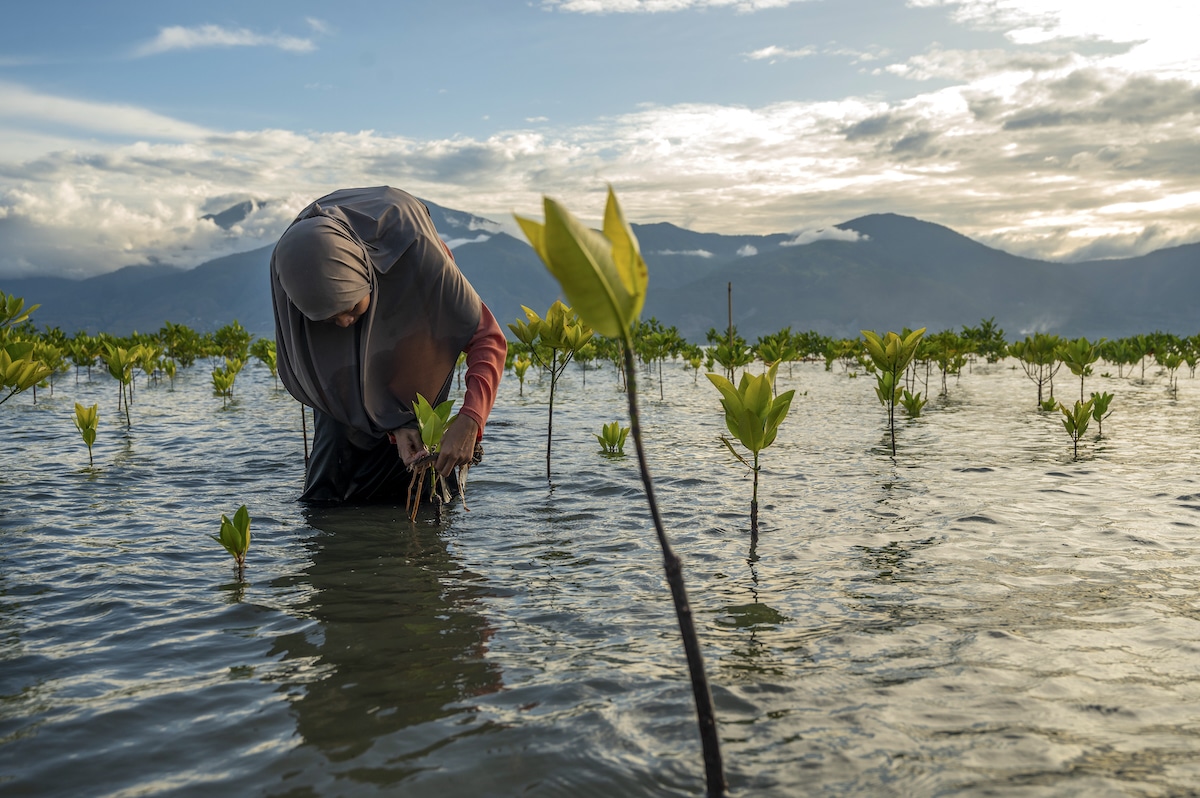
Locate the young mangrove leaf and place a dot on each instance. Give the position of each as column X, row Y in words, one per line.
column 86, row 421
column 235, row 537
column 612, row 438
column 602, row 274
column 752, row 415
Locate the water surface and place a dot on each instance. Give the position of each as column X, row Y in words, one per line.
column 981, row 615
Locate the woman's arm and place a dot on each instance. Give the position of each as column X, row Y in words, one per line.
column 485, row 365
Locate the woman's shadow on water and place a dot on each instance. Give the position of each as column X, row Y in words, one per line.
column 400, row 640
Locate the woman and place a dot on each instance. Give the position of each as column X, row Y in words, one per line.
column 371, row 310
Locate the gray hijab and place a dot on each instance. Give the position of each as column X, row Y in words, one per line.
column 378, row 241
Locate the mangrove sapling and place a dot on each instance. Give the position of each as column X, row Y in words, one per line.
column 119, row 362
column 913, row 403
column 552, row 341
column 891, row 355
column 432, row 422
column 1171, row 361
column 753, row 416
column 1039, row 359
column 612, row 438
column 235, row 537
column 604, row 276
column 1079, row 355
column 520, row 366
column 264, row 350
column 1075, row 421
column 20, row 369
column 86, row 421
column 1100, row 411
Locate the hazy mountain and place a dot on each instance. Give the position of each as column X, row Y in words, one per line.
column 897, row 272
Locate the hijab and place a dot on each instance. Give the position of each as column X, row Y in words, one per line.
column 422, row 312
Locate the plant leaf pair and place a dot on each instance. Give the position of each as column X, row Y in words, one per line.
column 602, row 274
column 752, row 413
column 235, row 535
column 432, row 421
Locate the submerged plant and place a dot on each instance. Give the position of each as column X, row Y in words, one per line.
column 86, row 421
column 1075, row 420
column 913, row 403
column 612, row 438
column 235, row 537
column 604, row 276
column 891, row 355
column 752, row 415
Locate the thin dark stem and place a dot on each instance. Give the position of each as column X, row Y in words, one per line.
column 705, row 712
column 550, row 420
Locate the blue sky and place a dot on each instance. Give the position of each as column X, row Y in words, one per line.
column 1059, row 129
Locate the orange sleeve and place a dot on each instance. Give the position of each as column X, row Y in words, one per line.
column 485, row 365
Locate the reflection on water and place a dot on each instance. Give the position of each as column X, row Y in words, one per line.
column 400, row 638
column 981, row 615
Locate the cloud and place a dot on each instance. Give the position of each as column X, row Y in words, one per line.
column 1037, row 153
column 178, row 37
column 824, row 234
column 22, row 106
column 694, row 253
column 747, row 251
column 660, row 6
column 773, row 53
column 971, row 65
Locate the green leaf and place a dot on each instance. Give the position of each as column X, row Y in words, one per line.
column 602, row 275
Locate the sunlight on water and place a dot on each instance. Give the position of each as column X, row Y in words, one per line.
column 982, row 615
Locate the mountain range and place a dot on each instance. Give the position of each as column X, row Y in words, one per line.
column 881, row 272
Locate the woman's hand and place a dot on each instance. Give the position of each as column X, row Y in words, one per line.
column 458, row 444
column 408, row 445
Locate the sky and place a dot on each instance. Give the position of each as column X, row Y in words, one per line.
column 1057, row 129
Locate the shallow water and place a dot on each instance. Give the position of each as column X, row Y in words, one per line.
column 981, row 615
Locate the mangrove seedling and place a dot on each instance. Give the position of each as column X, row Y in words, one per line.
column 1039, row 358
column 1075, row 420
column 753, row 416
column 235, row 537
column 432, row 422
column 1100, row 411
column 120, row 362
column 604, row 276
column 264, row 350
column 20, row 369
column 552, row 341
column 1171, row 361
column 913, row 403
column 520, row 366
column 891, row 355
column 612, row 438
column 1078, row 356
column 86, row 421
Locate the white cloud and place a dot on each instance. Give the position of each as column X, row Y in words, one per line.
column 774, row 53
column 20, row 106
column 1159, row 30
column 825, row 234
column 658, row 6
column 695, row 253
column 178, row 37
column 748, row 251
column 1018, row 152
